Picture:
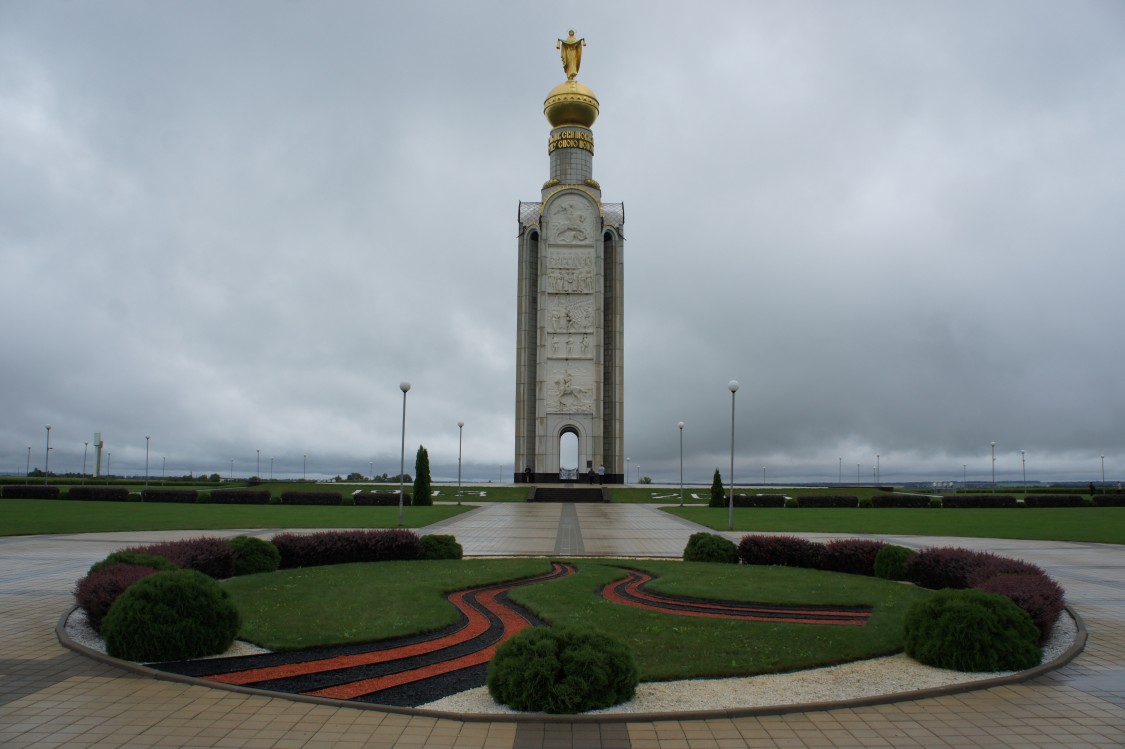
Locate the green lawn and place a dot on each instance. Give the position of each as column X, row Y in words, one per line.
column 21, row 517
column 1097, row 524
column 348, row 603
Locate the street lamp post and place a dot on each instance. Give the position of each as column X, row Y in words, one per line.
column 163, row 465
column 108, row 463
column 258, row 465
column 993, row 467
column 857, row 480
column 1023, row 467
column 1103, row 472
column 732, row 386
column 404, row 387
column 626, row 470
column 460, row 433
column 763, row 475
column 146, row 459
column 305, row 468
column 27, row 473
column 271, row 469
column 877, row 476
column 840, row 470
column 964, row 473
column 232, row 469
column 85, row 450
column 47, row 459
column 681, row 427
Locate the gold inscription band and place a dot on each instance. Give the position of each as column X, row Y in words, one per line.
column 571, row 139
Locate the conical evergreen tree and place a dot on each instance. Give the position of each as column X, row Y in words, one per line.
column 422, row 493
column 718, row 494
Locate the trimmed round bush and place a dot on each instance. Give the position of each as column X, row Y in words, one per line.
column 890, row 562
column 709, row 547
column 562, row 670
column 439, row 546
column 971, row 630
column 134, row 558
column 254, row 555
column 96, row 592
column 171, row 616
column 210, row 555
column 787, row 551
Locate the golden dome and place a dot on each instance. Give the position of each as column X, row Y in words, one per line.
column 571, row 103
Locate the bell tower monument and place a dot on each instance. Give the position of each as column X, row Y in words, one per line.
column 570, row 342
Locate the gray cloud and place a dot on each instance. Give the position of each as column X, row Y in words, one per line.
column 237, row 228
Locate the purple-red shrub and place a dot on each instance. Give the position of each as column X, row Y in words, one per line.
column 1037, row 594
column 239, row 497
column 991, row 565
column 944, row 567
column 96, row 592
column 974, row 501
column 1055, row 500
column 787, row 551
column 181, row 496
column 99, row 493
column 212, row 556
column 378, row 499
column 900, row 500
column 855, row 556
column 29, row 491
column 341, row 547
column 1109, row 500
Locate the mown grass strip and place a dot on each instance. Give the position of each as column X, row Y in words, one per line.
column 21, row 517
column 1091, row 524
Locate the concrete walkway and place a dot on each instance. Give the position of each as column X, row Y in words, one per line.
column 50, row 696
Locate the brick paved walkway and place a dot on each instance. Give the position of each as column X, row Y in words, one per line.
column 50, row 696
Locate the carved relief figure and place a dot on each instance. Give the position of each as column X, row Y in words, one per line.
column 575, row 317
column 569, row 221
column 569, row 396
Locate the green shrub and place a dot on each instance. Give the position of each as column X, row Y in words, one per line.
column 866, row 503
column 438, row 546
column 171, row 616
column 253, row 555
column 718, row 494
column 791, row 502
column 709, row 547
column 890, row 562
column 970, row 630
column 562, row 670
column 158, row 563
column 935, row 503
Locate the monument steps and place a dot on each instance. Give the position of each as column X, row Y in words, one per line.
column 569, row 494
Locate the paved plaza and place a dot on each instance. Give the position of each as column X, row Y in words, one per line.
column 50, row 696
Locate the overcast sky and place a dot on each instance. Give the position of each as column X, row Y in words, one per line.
column 237, row 226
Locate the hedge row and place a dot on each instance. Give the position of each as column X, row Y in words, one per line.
column 29, row 491
column 101, row 494
column 827, row 500
column 180, row 496
column 759, row 500
column 1026, row 584
column 1055, row 500
column 974, row 501
column 380, row 499
column 1109, row 500
column 240, row 497
column 900, row 500
column 311, row 498
column 341, row 547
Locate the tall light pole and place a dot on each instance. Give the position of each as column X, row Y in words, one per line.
column 163, row 465
column 964, row 473
column 85, row 449
column 877, row 477
column 27, row 474
column 840, row 470
column 305, row 468
column 460, row 433
column 271, row 469
column 1023, row 466
column 1103, row 472
column 146, row 460
column 681, row 427
column 857, row 474
column 232, row 469
column 404, row 387
column 763, row 475
column 108, row 463
column 732, row 386
column 47, row 459
column 371, row 469
column 626, row 470
column 993, row 467
column 258, row 469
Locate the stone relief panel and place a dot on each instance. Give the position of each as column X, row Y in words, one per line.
column 570, row 346
column 570, row 387
column 570, row 315
column 571, row 220
column 570, row 271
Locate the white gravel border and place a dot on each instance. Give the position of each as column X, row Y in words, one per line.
column 875, row 677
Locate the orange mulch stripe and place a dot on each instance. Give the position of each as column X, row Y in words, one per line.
column 720, row 609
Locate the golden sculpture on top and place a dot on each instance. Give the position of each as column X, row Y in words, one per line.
column 571, row 51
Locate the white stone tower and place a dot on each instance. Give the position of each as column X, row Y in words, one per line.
column 570, row 343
